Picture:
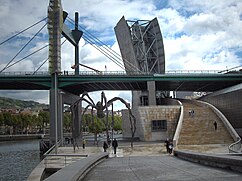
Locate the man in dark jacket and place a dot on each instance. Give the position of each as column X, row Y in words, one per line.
column 115, row 145
column 105, row 146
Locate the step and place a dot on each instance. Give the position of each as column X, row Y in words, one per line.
column 199, row 129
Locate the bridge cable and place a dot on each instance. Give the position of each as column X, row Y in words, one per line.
column 6, row 66
column 100, row 49
column 45, row 61
column 27, row 56
column 107, row 50
column 114, row 53
column 118, row 59
column 22, row 31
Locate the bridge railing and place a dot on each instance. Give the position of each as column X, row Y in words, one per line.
column 125, row 73
column 193, row 72
column 24, row 73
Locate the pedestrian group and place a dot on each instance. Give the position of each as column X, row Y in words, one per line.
column 114, row 145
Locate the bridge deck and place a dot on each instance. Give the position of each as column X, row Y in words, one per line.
column 198, row 82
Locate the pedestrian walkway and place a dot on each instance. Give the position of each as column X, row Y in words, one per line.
column 146, row 161
column 156, row 168
column 124, row 149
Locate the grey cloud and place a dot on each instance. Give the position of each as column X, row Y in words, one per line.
column 126, row 95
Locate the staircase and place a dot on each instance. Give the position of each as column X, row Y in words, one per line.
column 199, row 129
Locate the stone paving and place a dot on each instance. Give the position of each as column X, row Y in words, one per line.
column 149, row 161
column 156, row 168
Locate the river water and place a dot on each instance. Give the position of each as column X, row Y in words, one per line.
column 18, row 159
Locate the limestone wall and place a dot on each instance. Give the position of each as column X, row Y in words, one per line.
column 145, row 115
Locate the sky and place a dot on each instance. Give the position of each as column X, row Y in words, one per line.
column 197, row 35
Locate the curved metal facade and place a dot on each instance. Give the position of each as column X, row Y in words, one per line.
column 141, row 45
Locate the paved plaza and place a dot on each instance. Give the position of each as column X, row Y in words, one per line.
column 165, row 167
column 149, row 161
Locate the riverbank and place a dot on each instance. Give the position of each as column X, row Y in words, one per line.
column 20, row 137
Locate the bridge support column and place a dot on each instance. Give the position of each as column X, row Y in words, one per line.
column 151, row 93
column 76, row 122
column 64, row 98
column 53, row 114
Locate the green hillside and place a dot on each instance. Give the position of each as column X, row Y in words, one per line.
column 8, row 103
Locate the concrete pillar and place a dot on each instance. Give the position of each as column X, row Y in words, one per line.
column 76, row 122
column 53, row 117
column 151, row 93
column 60, row 117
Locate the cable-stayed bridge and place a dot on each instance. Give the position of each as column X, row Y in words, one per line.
column 134, row 78
column 78, row 82
column 89, row 81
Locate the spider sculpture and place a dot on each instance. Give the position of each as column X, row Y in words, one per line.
column 102, row 110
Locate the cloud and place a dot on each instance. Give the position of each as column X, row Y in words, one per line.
column 207, row 37
column 197, row 34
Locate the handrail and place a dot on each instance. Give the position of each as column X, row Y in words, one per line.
column 179, row 126
column 235, row 146
column 71, row 73
column 49, row 150
column 58, row 159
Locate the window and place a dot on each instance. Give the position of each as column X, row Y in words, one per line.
column 144, row 100
column 158, row 125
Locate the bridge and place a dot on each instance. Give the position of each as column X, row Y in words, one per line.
column 118, row 80
column 144, row 72
column 79, row 82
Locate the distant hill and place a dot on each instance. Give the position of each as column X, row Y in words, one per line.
column 9, row 103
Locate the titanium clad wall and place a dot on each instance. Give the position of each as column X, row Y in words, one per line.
column 123, row 36
column 141, row 45
column 158, row 47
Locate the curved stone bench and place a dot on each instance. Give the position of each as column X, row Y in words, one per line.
column 229, row 161
column 79, row 169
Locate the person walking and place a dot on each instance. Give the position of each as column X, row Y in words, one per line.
column 105, row 146
column 74, row 143
column 84, row 143
column 215, row 125
column 167, row 145
column 170, row 147
column 115, row 145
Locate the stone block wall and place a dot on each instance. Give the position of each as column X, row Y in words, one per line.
column 145, row 115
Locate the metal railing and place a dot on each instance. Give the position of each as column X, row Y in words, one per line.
column 193, row 72
column 126, row 73
column 24, row 73
column 61, row 160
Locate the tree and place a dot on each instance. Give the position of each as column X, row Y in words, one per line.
column 67, row 122
column 117, row 126
column 44, row 118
